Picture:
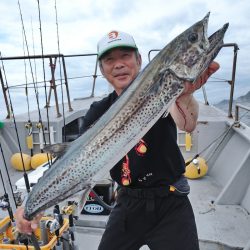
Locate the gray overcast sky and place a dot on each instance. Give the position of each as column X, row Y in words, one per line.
column 153, row 23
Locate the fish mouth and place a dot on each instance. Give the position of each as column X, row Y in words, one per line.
column 214, row 44
column 215, row 41
column 216, row 37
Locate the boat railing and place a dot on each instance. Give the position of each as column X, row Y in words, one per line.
column 53, row 61
column 64, row 77
column 231, row 81
column 237, row 112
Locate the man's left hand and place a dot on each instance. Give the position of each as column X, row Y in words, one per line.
column 202, row 79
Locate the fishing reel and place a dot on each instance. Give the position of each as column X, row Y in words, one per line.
column 52, row 225
column 4, row 203
column 39, row 125
column 70, row 209
column 19, row 197
column 28, row 125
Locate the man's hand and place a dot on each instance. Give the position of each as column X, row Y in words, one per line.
column 25, row 226
column 191, row 87
column 185, row 110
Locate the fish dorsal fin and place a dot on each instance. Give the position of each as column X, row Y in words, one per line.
column 58, row 149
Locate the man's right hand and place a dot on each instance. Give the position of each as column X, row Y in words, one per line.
column 23, row 225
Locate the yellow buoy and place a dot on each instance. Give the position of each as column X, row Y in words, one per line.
column 18, row 164
column 196, row 169
column 29, row 141
column 188, row 141
column 39, row 159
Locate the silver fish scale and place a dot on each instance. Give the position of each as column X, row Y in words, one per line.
column 154, row 105
column 128, row 119
column 104, row 151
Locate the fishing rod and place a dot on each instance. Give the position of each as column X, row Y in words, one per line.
column 34, row 52
column 40, row 123
column 60, row 69
column 28, row 125
column 97, row 198
column 27, row 184
column 26, row 179
column 69, row 235
column 4, row 201
column 32, row 237
column 44, row 75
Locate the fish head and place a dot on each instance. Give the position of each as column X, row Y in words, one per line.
column 194, row 51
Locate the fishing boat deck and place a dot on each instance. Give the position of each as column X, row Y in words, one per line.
column 219, row 225
column 211, row 113
column 225, row 225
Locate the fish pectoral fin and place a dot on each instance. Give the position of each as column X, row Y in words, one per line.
column 82, row 196
column 57, row 149
column 78, row 194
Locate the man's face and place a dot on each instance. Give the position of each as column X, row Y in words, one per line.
column 120, row 66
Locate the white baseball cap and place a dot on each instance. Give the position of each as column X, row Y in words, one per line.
column 115, row 39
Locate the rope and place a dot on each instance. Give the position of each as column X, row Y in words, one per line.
column 223, row 135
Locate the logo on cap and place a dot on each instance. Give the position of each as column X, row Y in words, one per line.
column 113, row 34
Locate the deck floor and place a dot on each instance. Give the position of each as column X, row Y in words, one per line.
column 227, row 225
column 221, row 225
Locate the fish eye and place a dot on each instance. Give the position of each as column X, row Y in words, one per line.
column 193, row 37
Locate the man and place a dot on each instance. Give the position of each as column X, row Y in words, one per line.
column 147, row 212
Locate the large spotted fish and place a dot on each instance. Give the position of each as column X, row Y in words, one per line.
column 147, row 98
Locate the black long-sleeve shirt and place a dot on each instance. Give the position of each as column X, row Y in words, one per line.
column 155, row 161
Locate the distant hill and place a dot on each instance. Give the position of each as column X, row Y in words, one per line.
column 242, row 99
column 245, row 100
